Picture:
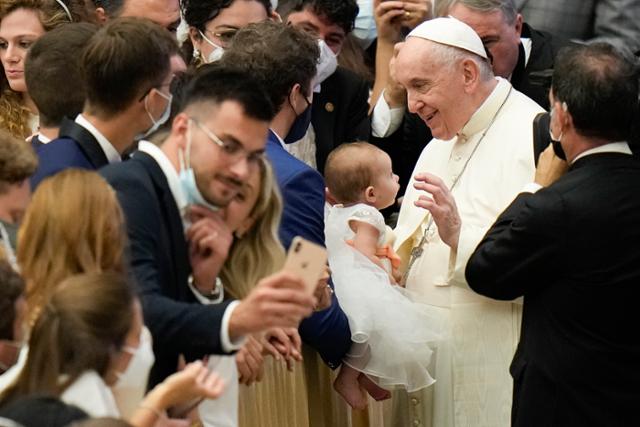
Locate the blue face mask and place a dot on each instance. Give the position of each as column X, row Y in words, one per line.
column 300, row 125
column 187, row 178
column 364, row 29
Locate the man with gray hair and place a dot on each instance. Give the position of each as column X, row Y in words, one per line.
column 517, row 53
column 481, row 157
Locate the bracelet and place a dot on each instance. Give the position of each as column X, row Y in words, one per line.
column 215, row 295
column 159, row 414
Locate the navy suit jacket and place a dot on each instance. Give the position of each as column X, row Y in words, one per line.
column 302, row 191
column 76, row 147
column 160, row 263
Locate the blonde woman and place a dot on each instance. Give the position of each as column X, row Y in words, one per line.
column 22, row 22
column 73, row 225
column 274, row 396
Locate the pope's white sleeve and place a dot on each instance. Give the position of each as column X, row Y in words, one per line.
column 470, row 236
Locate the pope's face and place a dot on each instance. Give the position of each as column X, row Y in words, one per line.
column 435, row 91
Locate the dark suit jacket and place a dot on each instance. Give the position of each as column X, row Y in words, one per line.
column 340, row 113
column 405, row 145
column 302, row 191
column 571, row 251
column 160, row 264
column 76, row 147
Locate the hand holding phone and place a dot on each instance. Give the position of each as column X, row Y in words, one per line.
column 306, row 260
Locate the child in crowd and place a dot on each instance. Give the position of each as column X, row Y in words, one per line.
column 390, row 333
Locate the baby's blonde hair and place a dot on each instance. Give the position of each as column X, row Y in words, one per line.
column 349, row 170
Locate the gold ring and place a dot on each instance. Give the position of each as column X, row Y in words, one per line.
column 407, row 14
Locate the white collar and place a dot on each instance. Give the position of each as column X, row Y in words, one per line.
column 107, row 148
column 526, row 44
column 168, row 170
column 621, row 147
column 280, row 140
column 43, row 139
column 485, row 114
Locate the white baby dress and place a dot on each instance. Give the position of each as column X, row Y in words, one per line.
column 393, row 336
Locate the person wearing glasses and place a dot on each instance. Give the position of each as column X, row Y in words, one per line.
column 212, row 25
column 169, row 195
column 283, row 58
column 118, row 110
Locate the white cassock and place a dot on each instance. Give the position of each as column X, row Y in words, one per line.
column 473, row 386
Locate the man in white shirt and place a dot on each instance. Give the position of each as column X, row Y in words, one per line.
column 481, row 157
column 127, row 96
column 168, row 193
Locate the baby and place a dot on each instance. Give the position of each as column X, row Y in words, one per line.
column 390, row 333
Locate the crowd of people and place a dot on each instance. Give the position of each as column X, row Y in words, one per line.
column 469, row 167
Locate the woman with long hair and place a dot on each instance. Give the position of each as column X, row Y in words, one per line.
column 22, row 22
column 279, row 399
column 78, row 350
column 213, row 23
column 73, row 225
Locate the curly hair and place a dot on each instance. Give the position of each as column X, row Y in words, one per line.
column 197, row 13
column 342, row 12
column 14, row 116
column 17, row 160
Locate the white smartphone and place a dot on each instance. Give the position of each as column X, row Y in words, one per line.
column 307, row 260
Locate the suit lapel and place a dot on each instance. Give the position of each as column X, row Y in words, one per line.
column 171, row 214
column 86, row 141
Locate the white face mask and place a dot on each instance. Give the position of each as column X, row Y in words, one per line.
column 327, row 64
column 131, row 386
column 187, row 178
column 364, row 29
column 216, row 53
column 155, row 124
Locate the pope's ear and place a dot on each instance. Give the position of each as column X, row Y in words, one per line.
column 470, row 72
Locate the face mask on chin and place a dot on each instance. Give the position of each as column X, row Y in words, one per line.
column 187, row 178
column 155, row 124
column 131, row 386
column 555, row 142
column 216, row 53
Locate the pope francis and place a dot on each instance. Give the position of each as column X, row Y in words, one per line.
column 481, row 157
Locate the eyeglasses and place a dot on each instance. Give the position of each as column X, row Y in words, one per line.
column 232, row 150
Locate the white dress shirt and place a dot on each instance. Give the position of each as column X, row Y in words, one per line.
column 223, row 411
column 181, row 201
column 91, row 394
column 107, row 148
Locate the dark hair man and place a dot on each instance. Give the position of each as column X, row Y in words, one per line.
column 340, row 109
column 118, row 110
column 215, row 143
column 567, row 250
column 52, row 62
column 283, row 60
